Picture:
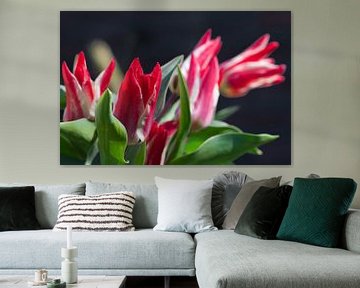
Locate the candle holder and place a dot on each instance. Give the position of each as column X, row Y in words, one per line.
column 69, row 271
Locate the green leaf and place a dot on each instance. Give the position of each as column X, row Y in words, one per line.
column 92, row 153
column 255, row 151
column 224, row 148
column 167, row 71
column 226, row 112
column 62, row 97
column 170, row 114
column 136, row 154
column 111, row 133
column 198, row 137
column 76, row 138
column 177, row 143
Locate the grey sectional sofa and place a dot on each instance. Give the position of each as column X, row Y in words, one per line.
column 218, row 259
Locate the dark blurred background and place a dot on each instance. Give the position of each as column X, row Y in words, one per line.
column 160, row 36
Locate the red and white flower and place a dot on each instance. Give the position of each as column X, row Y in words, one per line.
column 251, row 69
column 82, row 93
column 135, row 108
column 136, row 102
column 201, row 73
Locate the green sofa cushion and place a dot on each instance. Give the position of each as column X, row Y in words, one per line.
column 316, row 211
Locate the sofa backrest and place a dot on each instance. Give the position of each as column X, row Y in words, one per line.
column 146, row 203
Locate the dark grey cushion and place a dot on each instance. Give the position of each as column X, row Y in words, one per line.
column 263, row 215
column 243, row 198
column 225, row 189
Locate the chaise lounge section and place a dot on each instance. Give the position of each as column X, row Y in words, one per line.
column 225, row 259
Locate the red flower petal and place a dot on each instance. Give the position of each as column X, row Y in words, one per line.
column 157, row 142
column 253, row 75
column 80, row 69
column 256, row 51
column 193, row 78
column 137, row 99
column 73, row 108
column 151, row 84
column 205, row 38
column 257, row 55
column 205, row 53
column 251, row 69
column 260, row 42
column 129, row 105
column 206, row 102
column 87, row 103
column 103, row 80
column 155, row 145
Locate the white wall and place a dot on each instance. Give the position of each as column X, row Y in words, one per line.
column 326, row 91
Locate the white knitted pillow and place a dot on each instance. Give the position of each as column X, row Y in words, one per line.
column 105, row 212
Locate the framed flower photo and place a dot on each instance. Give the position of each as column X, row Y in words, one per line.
column 175, row 88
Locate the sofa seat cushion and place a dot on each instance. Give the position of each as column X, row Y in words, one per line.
column 226, row 259
column 141, row 249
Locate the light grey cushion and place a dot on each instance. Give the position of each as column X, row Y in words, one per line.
column 225, row 259
column 146, row 204
column 351, row 233
column 46, row 200
column 243, row 198
column 184, row 205
column 143, row 249
column 225, row 189
column 310, row 176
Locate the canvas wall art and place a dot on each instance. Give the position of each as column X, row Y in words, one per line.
column 175, row 88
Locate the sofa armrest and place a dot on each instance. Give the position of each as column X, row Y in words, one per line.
column 351, row 234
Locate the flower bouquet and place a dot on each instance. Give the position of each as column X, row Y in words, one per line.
column 166, row 117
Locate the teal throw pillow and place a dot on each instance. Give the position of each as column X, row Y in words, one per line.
column 316, row 211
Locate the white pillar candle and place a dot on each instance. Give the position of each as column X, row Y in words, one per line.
column 69, row 237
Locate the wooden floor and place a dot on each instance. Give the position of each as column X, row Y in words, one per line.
column 158, row 282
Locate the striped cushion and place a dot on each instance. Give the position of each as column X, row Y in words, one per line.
column 105, row 212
